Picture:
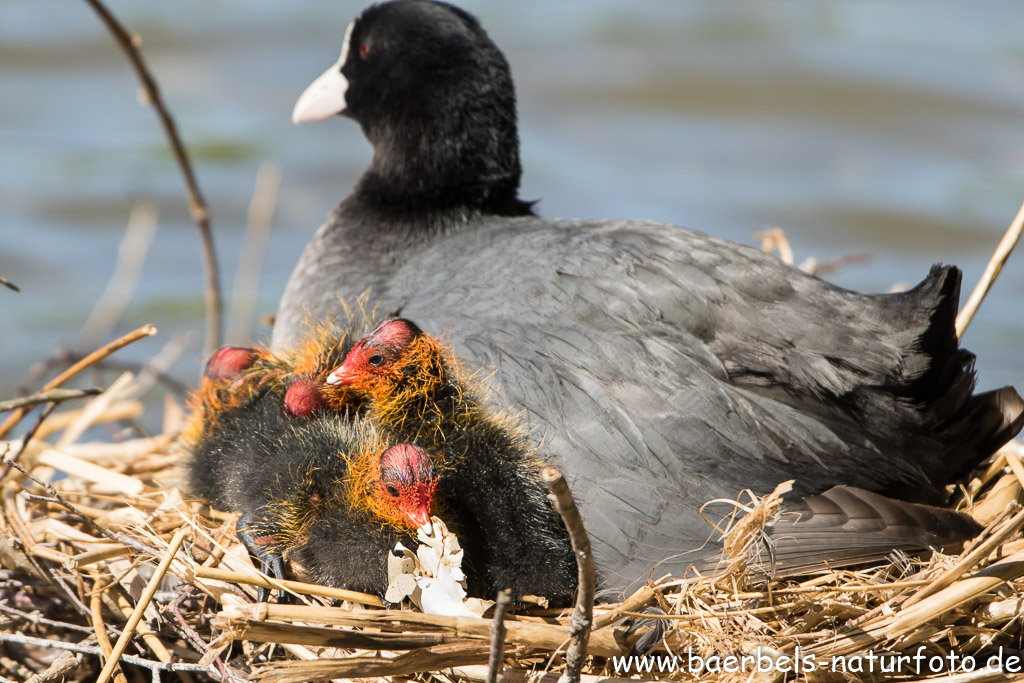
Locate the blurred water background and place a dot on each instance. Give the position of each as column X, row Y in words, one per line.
column 894, row 128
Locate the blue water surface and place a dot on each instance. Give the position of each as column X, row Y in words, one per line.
column 893, row 128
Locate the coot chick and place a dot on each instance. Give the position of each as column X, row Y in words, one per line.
column 269, row 391
column 270, row 439
column 490, row 484
column 230, row 362
column 325, row 492
column 416, row 389
column 235, row 379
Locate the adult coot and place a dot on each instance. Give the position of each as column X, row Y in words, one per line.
column 664, row 367
column 416, row 390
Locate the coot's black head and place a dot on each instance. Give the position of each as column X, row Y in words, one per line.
column 434, row 96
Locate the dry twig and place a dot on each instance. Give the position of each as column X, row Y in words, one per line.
column 140, row 607
column 197, row 205
column 250, row 262
column 131, row 256
column 100, row 628
column 995, row 264
column 95, row 651
column 52, row 396
column 497, row 654
column 549, row 637
column 583, row 615
column 293, row 586
column 37, row 620
column 98, row 354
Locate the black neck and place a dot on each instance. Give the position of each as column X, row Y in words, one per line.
column 409, row 197
column 444, row 166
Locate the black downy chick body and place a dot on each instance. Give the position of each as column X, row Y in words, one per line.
column 490, row 481
column 314, row 482
column 327, row 494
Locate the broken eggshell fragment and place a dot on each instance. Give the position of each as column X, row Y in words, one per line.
column 432, row 577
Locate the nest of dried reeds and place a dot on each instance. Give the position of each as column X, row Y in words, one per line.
column 109, row 571
column 110, row 567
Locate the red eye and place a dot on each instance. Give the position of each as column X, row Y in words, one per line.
column 364, row 50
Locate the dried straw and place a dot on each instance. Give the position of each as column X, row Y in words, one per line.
column 104, row 513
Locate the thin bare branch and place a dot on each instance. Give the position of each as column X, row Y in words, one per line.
column 91, row 650
column 131, row 256
column 995, row 264
column 98, row 354
column 497, row 656
column 147, row 594
column 582, row 619
column 148, row 368
column 197, row 205
column 36, row 619
column 25, row 440
column 250, row 262
column 181, row 625
column 52, row 396
column 59, row 499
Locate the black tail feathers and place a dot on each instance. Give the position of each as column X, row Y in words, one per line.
column 968, row 427
column 990, row 420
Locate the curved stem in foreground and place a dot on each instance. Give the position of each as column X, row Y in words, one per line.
column 582, row 620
